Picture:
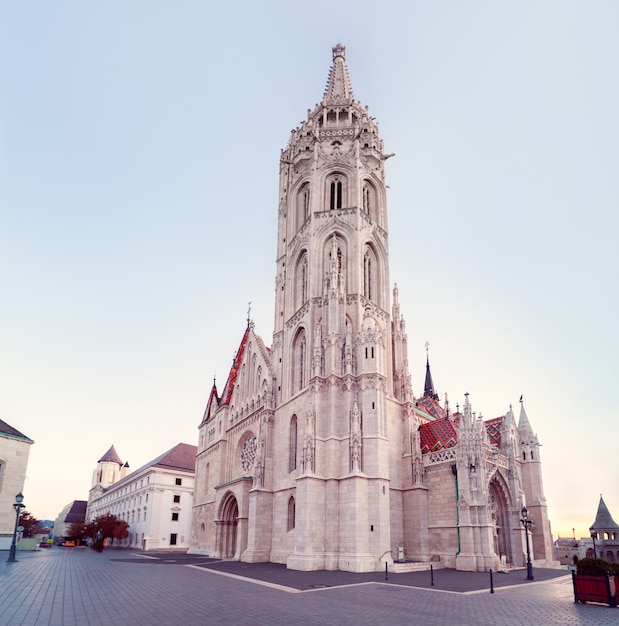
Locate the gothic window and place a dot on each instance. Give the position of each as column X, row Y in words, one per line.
column 303, row 205
column 335, row 195
column 370, row 274
column 369, row 203
column 301, row 280
column 206, row 477
column 336, row 191
column 292, row 448
column 291, row 513
column 299, row 368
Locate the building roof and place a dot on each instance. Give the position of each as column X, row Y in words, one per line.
column 181, row 457
column 9, row 432
column 111, row 456
column 437, row 435
column 77, row 512
column 493, row 428
column 603, row 519
column 226, row 396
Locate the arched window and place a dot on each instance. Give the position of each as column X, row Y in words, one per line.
column 301, row 280
column 292, row 447
column 291, row 513
column 370, row 275
column 303, row 205
column 299, row 355
column 335, row 194
column 336, row 191
column 368, row 199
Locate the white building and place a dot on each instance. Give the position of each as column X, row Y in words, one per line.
column 154, row 500
column 72, row 513
column 14, row 452
column 317, row 454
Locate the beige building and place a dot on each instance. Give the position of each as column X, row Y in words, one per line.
column 155, row 500
column 14, row 452
column 316, row 453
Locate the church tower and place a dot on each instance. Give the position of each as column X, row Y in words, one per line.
column 317, row 454
column 332, row 348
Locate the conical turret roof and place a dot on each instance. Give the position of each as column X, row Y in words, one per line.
column 111, row 456
column 603, row 519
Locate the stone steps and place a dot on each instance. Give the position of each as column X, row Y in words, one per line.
column 413, row 566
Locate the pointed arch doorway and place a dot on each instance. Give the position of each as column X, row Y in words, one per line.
column 500, row 518
column 228, row 527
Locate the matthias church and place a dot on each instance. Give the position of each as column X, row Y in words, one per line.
column 316, row 453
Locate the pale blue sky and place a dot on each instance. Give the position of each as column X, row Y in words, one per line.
column 139, row 147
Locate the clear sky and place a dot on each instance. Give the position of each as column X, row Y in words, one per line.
column 139, row 149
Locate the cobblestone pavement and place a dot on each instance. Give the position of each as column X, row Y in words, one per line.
column 69, row 587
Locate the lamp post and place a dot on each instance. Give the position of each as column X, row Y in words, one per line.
column 18, row 506
column 526, row 522
column 593, row 536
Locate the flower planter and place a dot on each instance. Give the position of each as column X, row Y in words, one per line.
column 600, row 589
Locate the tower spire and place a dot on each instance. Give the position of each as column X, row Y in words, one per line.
column 428, row 388
column 338, row 89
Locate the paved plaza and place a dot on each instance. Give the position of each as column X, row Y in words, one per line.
column 63, row 586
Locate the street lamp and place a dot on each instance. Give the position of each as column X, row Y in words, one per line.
column 18, row 506
column 593, row 538
column 526, row 522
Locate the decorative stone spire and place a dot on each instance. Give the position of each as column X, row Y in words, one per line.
column 338, row 90
column 527, row 434
column 428, row 388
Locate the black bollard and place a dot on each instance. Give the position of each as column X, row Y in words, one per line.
column 431, row 575
column 386, row 571
column 491, row 583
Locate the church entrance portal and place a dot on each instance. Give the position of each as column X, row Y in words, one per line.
column 228, row 527
column 500, row 518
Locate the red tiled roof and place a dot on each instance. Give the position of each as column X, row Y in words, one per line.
column 212, row 404
column 226, row 396
column 493, row 428
column 437, row 435
column 431, row 407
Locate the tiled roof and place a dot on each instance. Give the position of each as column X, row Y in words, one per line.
column 437, row 435
column 493, row 427
column 77, row 513
column 212, row 404
column 181, row 456
column 226, row 396
column 12, row 433
column 431, row 407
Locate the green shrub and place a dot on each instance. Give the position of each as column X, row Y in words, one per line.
column 594, row 567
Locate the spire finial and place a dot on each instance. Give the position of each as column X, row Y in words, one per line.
column 339, row 51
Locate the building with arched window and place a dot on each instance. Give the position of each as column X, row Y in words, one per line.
column 328, row 460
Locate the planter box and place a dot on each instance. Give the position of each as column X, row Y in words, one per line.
column 600, row 589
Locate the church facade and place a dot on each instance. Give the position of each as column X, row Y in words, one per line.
column 316, row 453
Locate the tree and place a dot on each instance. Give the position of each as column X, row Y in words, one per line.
column 31, row 525
column 112, row 527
